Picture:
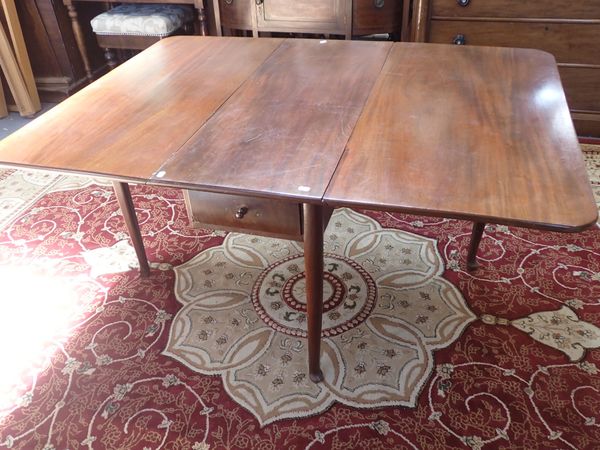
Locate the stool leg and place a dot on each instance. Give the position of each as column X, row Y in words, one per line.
column 200, row 24
column 79, row 38
column 111, row 60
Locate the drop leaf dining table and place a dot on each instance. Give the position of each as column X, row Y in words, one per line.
column 269, row 135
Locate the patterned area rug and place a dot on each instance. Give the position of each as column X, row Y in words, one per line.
column 592, row 159
column 209, row 352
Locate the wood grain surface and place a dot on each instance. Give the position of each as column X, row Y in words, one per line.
column 477, row 133
column 283, row 132
column 131, row 120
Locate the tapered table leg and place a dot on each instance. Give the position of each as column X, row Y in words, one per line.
column 126, row 204
column 313, row 264
column 476, row 234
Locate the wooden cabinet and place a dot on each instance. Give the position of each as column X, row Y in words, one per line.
column 568, row 30
column 338, row 17
column 308, row 16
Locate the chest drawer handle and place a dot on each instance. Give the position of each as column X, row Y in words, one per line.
column 241, row 212
column 463, row 2
column 459, row 39
column 379, row 3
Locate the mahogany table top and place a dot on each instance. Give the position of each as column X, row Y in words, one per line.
column 127, row 123
column 468, row 132
column 476, row 133
column 284, row 131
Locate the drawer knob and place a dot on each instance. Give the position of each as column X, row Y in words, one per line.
column 259, row 2
column 459, row 39
column 463, row 2
column 379, row 3
column 241, row 212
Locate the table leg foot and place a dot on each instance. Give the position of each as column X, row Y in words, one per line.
column 126, row 204
column 316, row 377
column 476, row 235
column 313, row 263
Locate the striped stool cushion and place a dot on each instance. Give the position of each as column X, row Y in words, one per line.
column 142, row 20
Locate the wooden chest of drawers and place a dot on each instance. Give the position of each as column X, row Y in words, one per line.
column 338, row 17
column 568, row 30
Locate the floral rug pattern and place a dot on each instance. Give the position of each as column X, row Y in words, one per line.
column 592, row 158
column 93, row 357
column 386, row 308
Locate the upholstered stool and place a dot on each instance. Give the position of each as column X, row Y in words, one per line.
column 137, row 26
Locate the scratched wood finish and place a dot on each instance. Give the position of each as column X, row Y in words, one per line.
column 283, row 132
column 580, row 9
column 501, row 152
column 131, row 120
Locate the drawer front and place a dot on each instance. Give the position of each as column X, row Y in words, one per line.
column 236, row 14
column 582, row 87
column 587, row 124
column 569, row 43
column 245, row 214
column 556, row 9
column 376, row 16
column 325, row 16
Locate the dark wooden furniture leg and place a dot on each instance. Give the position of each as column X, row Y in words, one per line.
column 200, row 25
column 126, row 204
column 476, row 234
column 111, row 59
column 313, row 265
column 79, row 38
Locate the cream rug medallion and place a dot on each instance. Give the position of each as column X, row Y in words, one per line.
column 386, row 309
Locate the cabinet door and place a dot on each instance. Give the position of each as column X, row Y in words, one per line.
column 236, row 14
column 305, row 16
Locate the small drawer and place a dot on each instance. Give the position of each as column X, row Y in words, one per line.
column 376, row 16
column 569, row 43
column 252, row 215
column 554, row 9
